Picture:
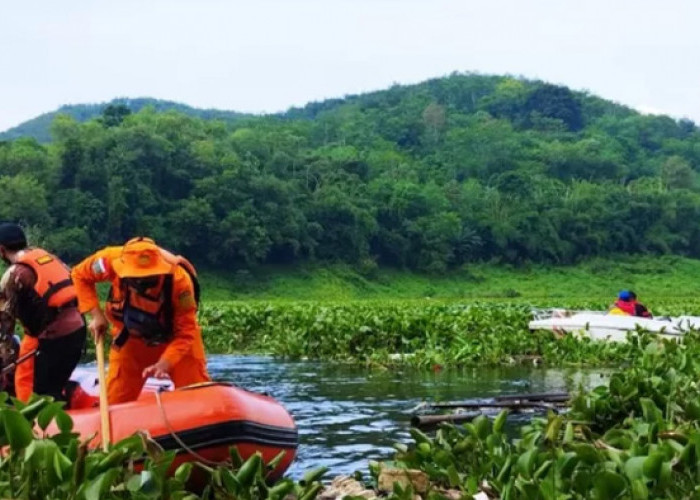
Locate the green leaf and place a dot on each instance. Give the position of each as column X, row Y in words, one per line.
column 504, row 473
column 133, row 484
column 687, row 456
column 33, row 450
column 609, row 485
column 587, row 453
column 634, row 467
column 453, row 476
column 482, row 424
column 312, row 492
column 61, row 465
column 18, row 430
column 182, row 473
column 639, row 490
column 665, row 474
column 64, row 421
column 526, row 462
column 250, row 468
column 135, row 444
column 547, row 490
column 98, row 487
column 472, row 485
column 650, row 411
column 419, row 436
column 567, row 463
column 692, row 410
column 236, row 459
column 527, row 489
column 581, row 481
column 553, row 428
column 148, row 484
column 500, row 421
column 313, row 475
column 30, row 411
column 618, row 438
column 272, row 464
column 231, row 482
column 112, row 459
column 652, row 465
column 569, row 433
column 542, row 470
column 281, row 489
column 47, row 414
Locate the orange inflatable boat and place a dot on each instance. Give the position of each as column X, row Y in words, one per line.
column 198, row 421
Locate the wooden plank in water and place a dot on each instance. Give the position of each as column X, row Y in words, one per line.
column 513, row 403
column 536, row 396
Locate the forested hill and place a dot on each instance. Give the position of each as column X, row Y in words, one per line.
column 429, row 177
column 39, row 127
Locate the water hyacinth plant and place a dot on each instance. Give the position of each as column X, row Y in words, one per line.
column 35, row 465
column 636, row 437
column 422, row 333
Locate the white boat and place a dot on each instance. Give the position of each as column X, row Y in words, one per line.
column 598, row 325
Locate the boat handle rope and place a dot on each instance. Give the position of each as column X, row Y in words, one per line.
column 179, row 441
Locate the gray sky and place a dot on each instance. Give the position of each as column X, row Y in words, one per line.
column 267, row 55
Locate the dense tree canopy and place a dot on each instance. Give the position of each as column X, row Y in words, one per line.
column 431, row 176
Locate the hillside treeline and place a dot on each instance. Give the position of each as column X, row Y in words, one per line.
column 426, row 177
column 40, row 127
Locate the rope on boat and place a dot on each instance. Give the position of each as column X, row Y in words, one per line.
column 179, row 441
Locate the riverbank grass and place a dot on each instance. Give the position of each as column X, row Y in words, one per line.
column 599, row 279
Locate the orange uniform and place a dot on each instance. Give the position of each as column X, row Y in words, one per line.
column 24, row 373
column 180, row 343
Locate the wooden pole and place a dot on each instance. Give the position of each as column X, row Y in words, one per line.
column 104, row 404
column 20, row 360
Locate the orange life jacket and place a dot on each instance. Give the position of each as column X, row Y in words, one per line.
column 144, row 305
column 52, row 291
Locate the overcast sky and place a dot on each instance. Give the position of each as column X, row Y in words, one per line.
column 266, row 55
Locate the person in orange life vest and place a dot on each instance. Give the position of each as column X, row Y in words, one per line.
column 37, row 289
column 152, row 306
column 627, row 304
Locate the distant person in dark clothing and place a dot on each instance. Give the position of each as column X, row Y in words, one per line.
column 627, row 305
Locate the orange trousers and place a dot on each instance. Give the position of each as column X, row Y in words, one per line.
column 126, row 364
column 24, row 372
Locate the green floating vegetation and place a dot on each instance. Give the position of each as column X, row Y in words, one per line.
column 421, row 333
column 635, row 438
column 36, row 465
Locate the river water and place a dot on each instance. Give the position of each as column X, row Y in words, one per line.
column 347, row 415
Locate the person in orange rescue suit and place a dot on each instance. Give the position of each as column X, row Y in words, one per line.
column 36, row 289
column 152, row 306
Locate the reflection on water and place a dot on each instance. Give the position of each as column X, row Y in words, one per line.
column 348, row 415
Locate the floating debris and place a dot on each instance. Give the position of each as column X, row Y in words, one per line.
column 467, row 410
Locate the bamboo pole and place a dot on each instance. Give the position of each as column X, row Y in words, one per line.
column 104, row 404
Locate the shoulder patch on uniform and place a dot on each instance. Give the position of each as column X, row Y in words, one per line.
column 44, row 259
column 99, row 266
column 186, row 299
